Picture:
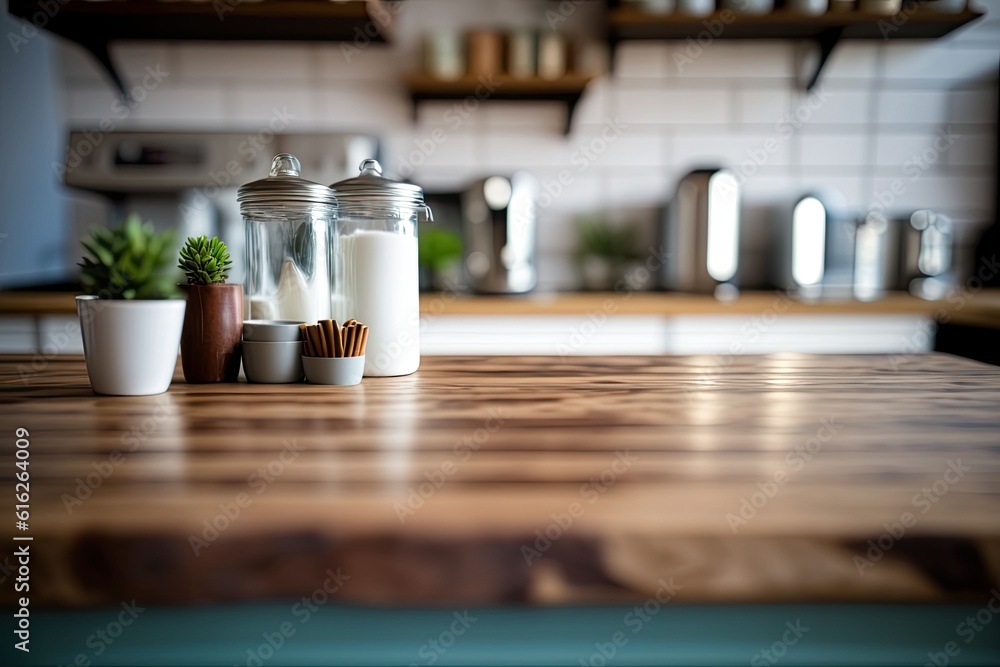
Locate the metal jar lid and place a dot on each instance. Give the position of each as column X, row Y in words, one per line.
column 370, row 188
column 284, row 188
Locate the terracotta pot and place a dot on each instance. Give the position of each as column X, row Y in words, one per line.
column 213, row 325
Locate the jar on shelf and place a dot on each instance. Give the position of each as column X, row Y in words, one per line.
column 376, row 279
column 290, row 225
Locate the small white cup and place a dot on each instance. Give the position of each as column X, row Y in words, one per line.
column 343, row 371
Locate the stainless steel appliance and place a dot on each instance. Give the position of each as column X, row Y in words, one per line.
column 813, row 248
column 912, row 254
column 876, row 256
column 498, row 229
column 187, row 181
column 701, row 232
column 925, row 254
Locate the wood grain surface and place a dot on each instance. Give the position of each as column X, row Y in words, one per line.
column 519, row 480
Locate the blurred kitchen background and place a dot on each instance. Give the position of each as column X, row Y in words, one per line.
column 896, row 140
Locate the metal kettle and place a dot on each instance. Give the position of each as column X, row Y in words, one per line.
column 925, row 254
column 701, row 232
column 813, row 253
column 499, row 230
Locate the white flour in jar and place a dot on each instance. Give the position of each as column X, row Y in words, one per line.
column 295, row 298
column 380, row 290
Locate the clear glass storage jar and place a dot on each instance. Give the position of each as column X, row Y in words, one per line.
column 376, row 280
column 290, row 227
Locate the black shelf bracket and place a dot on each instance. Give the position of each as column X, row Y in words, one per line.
column 827, row 42
column 99, row 49
column 571, row 101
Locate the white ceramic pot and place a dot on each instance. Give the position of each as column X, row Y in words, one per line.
column 131, row 346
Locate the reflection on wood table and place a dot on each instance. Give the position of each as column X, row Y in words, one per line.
column 521, row 479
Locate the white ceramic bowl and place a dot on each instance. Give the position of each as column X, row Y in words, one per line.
column 271, row 331
column 342, row 371
column 272, row 362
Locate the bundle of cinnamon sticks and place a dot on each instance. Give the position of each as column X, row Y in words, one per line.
column 329, row 339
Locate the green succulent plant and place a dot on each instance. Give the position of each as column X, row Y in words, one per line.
column 129, row 262
column 599, row 238
column 205, row 261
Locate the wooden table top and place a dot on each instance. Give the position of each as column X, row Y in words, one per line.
column 519, row 480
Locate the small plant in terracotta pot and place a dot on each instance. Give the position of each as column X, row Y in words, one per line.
column 213, row 322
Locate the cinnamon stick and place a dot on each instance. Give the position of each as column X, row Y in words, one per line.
column 306, row 344
column 321, row 334
column 349, row 346
column 331, row 346
column 317, row 341
column 364, row 340
column 338, row 341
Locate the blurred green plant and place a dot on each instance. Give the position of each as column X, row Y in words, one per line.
column 599, row 238
column 438, row 248
column 604, row 252
column 130, row 262
column 204, row 261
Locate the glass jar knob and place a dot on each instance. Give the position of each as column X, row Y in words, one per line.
column 285, row 164
column 371, row 167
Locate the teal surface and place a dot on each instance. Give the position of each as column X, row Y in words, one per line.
column 694, row 635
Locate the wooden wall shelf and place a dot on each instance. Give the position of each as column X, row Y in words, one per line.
column 567, row 89
column 94, row 25
column 626, row 23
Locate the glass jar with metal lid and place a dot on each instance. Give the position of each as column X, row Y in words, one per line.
column 289, row 226
column 376, row 279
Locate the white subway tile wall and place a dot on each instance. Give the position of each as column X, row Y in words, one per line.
column 854, row 59
column 921, row 113
column 840, row 149
column 761, row 104
column 732, row 60
column 641, row 60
